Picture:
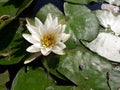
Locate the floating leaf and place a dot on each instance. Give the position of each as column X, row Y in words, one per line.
column 23, row 6
column 85, row 69
column 35, row 79
column 6, row 22
column 12, row 45
column 7, row 34
column 4, row 77
column 51, row 63
column 114, row 78
column 50, row 8
column 81, row 21
column 7, row 7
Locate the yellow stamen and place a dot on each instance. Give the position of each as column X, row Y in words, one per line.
column 48, row 40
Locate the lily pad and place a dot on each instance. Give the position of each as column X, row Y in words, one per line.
column 81, row 21
column 10, row 9
column 114, row 78
column 35, row 79
column 4, row 77
column 50, row 8
column 85, row 69
column 12, row 48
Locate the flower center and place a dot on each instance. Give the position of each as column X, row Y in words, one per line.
column 48, row 40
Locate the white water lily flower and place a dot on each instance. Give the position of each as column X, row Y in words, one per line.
column 46, row 38
column 108, row 20
column 106, row 45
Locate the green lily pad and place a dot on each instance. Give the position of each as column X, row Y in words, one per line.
column 114, row 78
column 4, row 77
column 35, row 79
column 12, row 46
column 81, row 21
column 7, row 8
column 23, row 6
column 7, row 33
column 6, row 22
column 85, row 69
column 50, row 8
column 11, row 7
column 51, row 64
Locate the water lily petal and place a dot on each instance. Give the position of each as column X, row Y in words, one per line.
column 45, row 52
column 58, row 50
column 58, row 29
column 32, row 57
column 28, row 23
column 46, row 38
column 29, row 38
column 63, row 27
column 34, row 48
column 48, row 21
column 38, row 22
column 55, row 21
column 32, row 31
column 36, row 37
column 65, row 37
column 61, row 45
